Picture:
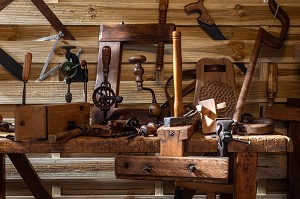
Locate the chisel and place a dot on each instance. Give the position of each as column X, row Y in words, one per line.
column 25, row 74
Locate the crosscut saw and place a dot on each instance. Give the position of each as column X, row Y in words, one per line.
column 207, row 23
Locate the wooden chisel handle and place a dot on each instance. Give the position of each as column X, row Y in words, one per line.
column 27, row 66
column 177, row 74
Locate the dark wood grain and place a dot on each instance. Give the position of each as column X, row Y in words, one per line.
column 245, row 175
column 2, row 176
column 52, row 18
column 137, row 33
column 5, row 3
column 293, row 158
column 172, row 168
column 29, row 175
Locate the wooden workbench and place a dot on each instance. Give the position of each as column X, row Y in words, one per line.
column 244, row 182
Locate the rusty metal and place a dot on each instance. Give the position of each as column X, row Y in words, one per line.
column 270, row 40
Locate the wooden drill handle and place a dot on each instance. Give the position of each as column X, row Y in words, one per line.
column 177, row 74
column 106, row 56
column 27, row 66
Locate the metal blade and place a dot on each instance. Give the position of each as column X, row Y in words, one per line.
column 214, row 32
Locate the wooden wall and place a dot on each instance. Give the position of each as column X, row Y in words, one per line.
column 82, row 175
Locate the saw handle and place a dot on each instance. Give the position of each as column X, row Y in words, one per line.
column 177, row 74
column 199, row 7
column 26, row 67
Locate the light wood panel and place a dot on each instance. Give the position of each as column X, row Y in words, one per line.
column 239, row 20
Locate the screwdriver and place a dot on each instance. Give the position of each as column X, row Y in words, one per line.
column 25, row 74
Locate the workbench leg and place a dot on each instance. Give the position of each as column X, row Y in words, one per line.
column 245, row 176
column 29, row 175
column 293, row 158
column 2, row 176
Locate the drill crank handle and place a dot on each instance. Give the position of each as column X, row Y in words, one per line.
column 27, row 66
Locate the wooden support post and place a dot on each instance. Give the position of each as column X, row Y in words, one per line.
column 293, row 158
column 29, row 175
column 245, row 175
column 2, row 176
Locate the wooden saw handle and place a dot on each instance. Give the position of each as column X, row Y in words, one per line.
column 177, row 74
column 27, row 66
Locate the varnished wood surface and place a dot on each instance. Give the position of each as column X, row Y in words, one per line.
column 197, row 144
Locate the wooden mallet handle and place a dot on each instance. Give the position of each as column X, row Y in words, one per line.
column 177, row 74
column 27, row 66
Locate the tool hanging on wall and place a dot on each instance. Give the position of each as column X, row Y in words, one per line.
column 138, row 71
column 104, row 96
column 270, row 40
column 57, row 37
column 163, row 8
column 25, row 74
column 207, row 24
column 74, row 71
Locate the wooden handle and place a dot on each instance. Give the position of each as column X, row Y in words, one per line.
column 27, row 66
column 64, row 136
column 272, row 83
column 177, row 74
column 106, row 56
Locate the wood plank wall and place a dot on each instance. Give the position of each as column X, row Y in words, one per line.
column 86, row 175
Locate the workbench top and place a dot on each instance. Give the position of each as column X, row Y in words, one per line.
column 198, row 143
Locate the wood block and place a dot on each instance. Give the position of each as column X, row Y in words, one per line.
column 39, row 121
column 172, row 168
column 208, row 121
column 30, row 122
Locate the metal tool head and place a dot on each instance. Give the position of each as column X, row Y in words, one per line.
column 191, row 118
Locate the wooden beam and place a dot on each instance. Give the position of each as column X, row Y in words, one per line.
column 29, row 175
column 137, row 33
column 293, row 158
column 2, row 176
column 5, row 3
column 281, row 113
column 245, row 175
column 172, row 168
column 52, row 18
